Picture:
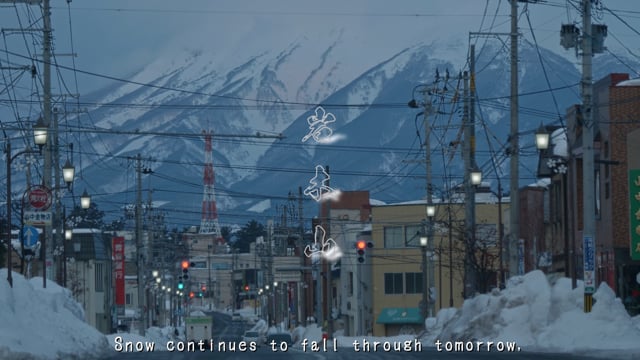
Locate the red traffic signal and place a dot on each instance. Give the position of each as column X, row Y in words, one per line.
column 246, row 288
column 185, row 265
column 192, row 295
column 361, row 245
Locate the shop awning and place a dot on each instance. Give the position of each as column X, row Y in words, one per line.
column 400, row 316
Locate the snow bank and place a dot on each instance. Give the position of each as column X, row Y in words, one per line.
column 44, row 323
column 540, row 316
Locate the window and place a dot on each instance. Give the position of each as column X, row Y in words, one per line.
column 414, row 283
column 412, row 235
column 393, row 283
column 99, row 277
column 393, row 237
column 127, row 299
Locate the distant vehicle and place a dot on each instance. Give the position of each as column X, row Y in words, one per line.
column 236, row 316
column 253, row 336
column 198, row 328
column 279, row 338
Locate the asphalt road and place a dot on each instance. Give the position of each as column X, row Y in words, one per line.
column 296, row 352
column 266, row 353
column 225, row 330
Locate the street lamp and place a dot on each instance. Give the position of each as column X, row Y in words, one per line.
column 431, row 210
column 542, row 138
column 424, row 242
column 40, row 132
column 85, row 200
column 476, row 176
column 68, row 173
column 40, row 138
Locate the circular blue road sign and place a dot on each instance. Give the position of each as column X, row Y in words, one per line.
column 30, row 236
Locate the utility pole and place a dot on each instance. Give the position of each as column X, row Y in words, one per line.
column 303, row 292
column 514, row 207
column 588, row 181
column 46, row 110
column 329, row 274
column 469, row 139
column 139, row 245
column 590, row 44
column 57, row 197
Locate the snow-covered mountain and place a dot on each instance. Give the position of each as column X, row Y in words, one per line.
column 273, row 89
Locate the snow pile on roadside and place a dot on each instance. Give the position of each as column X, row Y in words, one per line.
column 44, row 323
column 540, row 316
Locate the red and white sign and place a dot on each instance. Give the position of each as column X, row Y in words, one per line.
column 118, row 266
column 39, row 197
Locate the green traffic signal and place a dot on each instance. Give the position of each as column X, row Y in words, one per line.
column 180, row 285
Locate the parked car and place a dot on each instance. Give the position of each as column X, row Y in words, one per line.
column 253, row 336
column 279, row 338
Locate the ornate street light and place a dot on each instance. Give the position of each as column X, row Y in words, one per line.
column 542, row 138
column 424, row 242
column 476, row 176
column 40, row 131
column 85, row 200
column 431, row 210
column 68, row 173
column 40, row 138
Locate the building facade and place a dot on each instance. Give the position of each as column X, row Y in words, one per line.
column 396, row 259
column 89, row 276
column 617, row 154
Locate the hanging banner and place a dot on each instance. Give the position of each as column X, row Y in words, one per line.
column 118, row 266
column 634, row 213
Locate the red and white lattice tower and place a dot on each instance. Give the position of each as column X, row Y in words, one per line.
column 209, row 223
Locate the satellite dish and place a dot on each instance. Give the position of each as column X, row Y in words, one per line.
column 638, row 278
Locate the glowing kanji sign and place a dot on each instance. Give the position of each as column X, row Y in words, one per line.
column 326, row 248
column 319, row 188
column 318, row 129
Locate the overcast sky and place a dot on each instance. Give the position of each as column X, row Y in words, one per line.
column 117, row 37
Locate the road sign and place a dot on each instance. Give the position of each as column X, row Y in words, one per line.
column 39, row 197
column 30, row 236
column 39, row 218
column 589, row 265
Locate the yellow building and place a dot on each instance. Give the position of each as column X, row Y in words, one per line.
column 396, row 259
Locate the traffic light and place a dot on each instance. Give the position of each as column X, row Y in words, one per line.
column 185, row 269
column 200, row 294
column 192, row 295
column 180, row 285
column 246, row 288
column 203, row 290
column 361, row 246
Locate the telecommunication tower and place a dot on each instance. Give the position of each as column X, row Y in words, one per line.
column 209, row 223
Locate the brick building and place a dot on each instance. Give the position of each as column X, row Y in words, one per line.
column 616, row 115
